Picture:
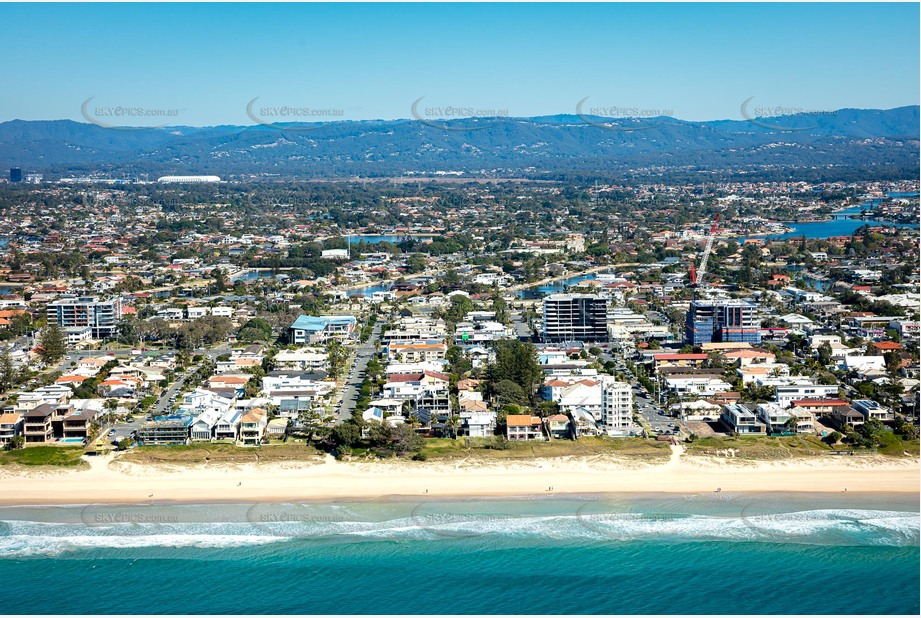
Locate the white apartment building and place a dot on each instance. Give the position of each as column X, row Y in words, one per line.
column 785, row 395
column 616, row 407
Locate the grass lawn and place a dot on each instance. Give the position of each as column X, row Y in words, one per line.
column 760, row 447
column 445, row 448
column 894, row 446
column 62, row 456
column 223, row 453
column 788, row 447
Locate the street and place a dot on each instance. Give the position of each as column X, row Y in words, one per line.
column 356, row 375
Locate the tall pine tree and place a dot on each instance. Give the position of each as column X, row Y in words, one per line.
column 52, row 343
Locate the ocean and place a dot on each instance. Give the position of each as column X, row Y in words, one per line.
column 714, row 553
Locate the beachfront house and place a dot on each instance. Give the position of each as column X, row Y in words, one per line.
column 10, row 427
column 77, row 423
column 741, row 419
column 872, row 410
column 523, row 428
column 37, row 424
column 228, row 426
column 202, row 429
column 165, row 431
column 253, row 426
column 560, row 427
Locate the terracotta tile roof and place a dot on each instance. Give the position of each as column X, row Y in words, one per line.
column 521, row 420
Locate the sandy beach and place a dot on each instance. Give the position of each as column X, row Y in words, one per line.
column 111, row 481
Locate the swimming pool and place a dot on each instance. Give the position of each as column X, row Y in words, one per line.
column 70, row 441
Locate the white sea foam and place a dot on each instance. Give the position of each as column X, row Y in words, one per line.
column 22, row 546
column 823, row 526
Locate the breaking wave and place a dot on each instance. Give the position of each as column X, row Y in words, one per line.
column 856, row 527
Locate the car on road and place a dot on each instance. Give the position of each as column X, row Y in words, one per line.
column 112, row 433
column 660, row 413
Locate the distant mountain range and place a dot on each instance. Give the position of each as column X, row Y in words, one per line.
column 837, row 145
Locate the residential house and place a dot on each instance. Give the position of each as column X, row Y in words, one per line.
column 228, row 426
column 416, row 351
column 202, row 429
column 165, row 431
column 560, row 427
column 756, row 373
column 77, row 423
column 253, row 426
column 303, row 359
column 786, row 394
column 308, row 329
column 661, row 360
column 37, row 424
column 843, row 416
column 10, row 427
column 427, row 393
column 477, row 423
column 277, row 428
column 872, row 410
column 741, row 419
column 523, row 428
column 691, row 384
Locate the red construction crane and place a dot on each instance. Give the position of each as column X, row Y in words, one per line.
column 697, row 275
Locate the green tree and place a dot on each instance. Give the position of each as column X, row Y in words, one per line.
column 870, row 431
column 825, row 353
column 516, row 361
column 255, row 330
column 52, row 343
column 346, row 434
column 7, row 372
column 405, row 440
column 336, row 355
column 315, row 423
column 220, row 279
column 458, row 364
column 507, row 391
column 415, row 264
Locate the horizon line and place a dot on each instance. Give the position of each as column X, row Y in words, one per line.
column 576, row 115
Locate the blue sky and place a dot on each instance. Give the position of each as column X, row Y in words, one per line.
column 204, row 63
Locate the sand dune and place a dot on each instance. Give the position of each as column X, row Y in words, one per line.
column 109, row 480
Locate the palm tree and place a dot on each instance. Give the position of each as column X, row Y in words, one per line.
column 454, row 423
column 791, row 423
column 111, row 405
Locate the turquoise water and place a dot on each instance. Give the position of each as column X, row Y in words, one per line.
column 560, row 285
column 369, row 290
column 698, row 554
column 835, row 227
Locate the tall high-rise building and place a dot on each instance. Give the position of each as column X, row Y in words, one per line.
column 575, row 317
column 101, row 316
column 15, row 174
column 616, row 406
column 711, row 321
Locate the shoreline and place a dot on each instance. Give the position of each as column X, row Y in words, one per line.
column 404, row 499
column 109, row 481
